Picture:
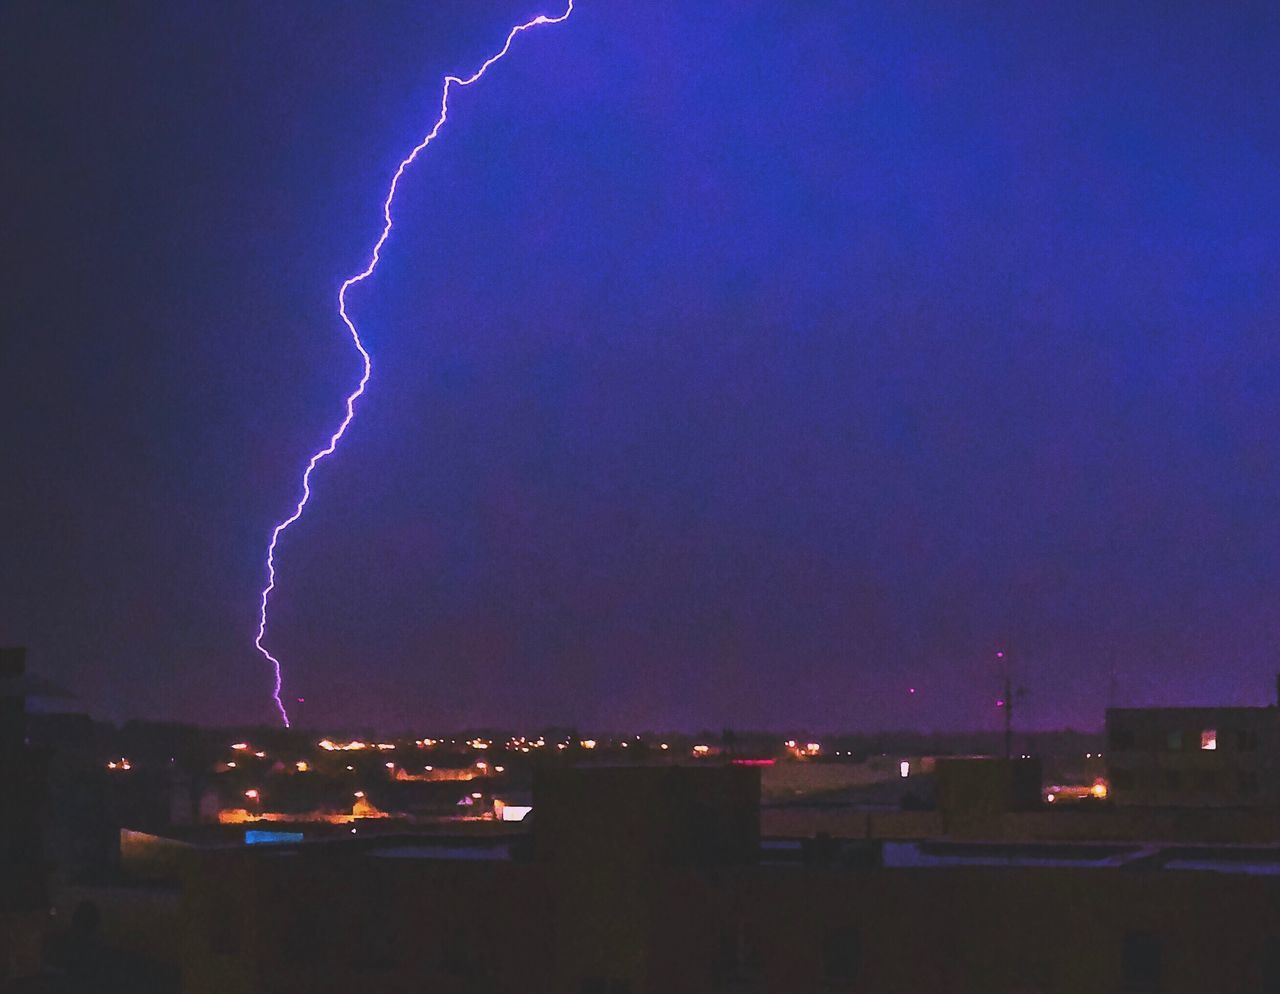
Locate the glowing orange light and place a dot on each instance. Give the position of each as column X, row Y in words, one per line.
column 701, row 750
column 588, row 743
column 302, row 766
column 1099, row 788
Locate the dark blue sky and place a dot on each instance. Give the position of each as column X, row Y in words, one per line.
column 735, row 363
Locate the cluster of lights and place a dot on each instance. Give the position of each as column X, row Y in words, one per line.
column 121, row 764
column 588, row 743
column 701, row 750
column 799, row 750
column 328, row 745
column 522, row 743
column 1098, row 790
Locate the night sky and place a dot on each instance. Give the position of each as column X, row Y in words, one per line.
column 735, row 363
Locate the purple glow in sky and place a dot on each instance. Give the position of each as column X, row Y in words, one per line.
column 366, row 362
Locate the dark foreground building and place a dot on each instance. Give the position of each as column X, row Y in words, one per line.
column 655, row 881
column 23, row 871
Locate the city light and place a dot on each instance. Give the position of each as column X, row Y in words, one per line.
column 302, row 766
column 328, row 745
column 904, row 769
column 251, row 794
column 588, row 743
column 239, row 746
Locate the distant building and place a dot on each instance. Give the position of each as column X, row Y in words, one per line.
column 1194, row 757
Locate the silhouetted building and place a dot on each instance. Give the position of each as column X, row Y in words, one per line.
column 636, row 884
column 24, row 895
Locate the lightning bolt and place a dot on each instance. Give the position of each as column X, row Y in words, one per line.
column 450, row 82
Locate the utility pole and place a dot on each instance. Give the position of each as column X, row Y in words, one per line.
column 1006, row 702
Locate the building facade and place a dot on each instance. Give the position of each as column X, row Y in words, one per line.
column 1194, row 757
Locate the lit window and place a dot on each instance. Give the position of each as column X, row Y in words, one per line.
column 1209, row 738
